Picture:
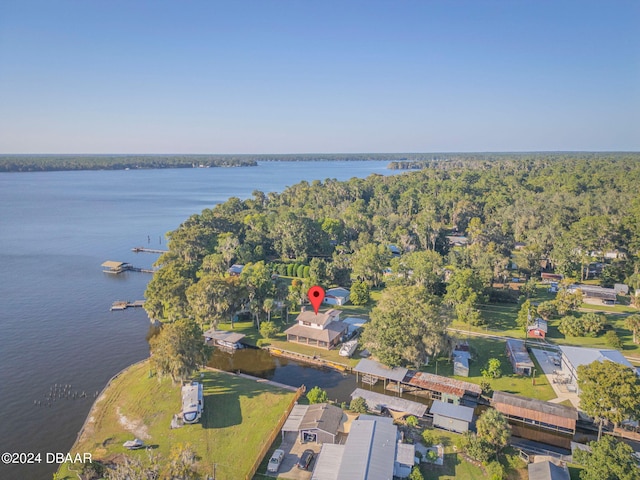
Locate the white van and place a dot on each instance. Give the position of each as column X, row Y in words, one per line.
column 275, row 461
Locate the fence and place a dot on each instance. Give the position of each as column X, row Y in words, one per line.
column 276, row 431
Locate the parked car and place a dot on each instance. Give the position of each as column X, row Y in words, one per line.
column 305, row 459
column 275, row 461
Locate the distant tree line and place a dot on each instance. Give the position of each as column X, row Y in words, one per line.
column 43, row 163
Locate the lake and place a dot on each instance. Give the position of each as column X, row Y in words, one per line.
column 59, row 342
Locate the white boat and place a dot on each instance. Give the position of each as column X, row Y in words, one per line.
column 347, row 348
column 133, row 444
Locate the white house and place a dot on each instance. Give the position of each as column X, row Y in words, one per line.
column 573, row 357
column 336, row 296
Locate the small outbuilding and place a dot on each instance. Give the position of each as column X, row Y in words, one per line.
column 538, row 329
column 337, row 296
column 547, row 471
column 519, row 358
column 317, row 423
column 223, row 338
column 455, row 418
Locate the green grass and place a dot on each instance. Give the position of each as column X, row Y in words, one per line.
column 485, row 348
column 239, row 416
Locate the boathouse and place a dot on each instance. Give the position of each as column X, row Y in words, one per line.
column 115, row 267
column 397, row 407
column 441, row 388
column 370, row 372
column 537, row 420
column 519, row 358
column 224, row 339
column 455, row 418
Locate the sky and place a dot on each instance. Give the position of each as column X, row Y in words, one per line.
column 284, row 76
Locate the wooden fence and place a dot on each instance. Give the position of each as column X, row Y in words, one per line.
column 276, row 431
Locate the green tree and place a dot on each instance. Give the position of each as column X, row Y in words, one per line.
column 609, row 459
column 317, row 395
column 465, row 292
column 609, row 391
column 368, row 263
column 269, row 329
column 525, row 315
column 359, row 293
column 632, row 322
column 571, row 326
column 592, row 323
column 493, row 428
column 493, row 369
column 406, row 327
column 412, row 421
column 547, row 310
column 358, row 405
column 178, row 350
column 612, row 339
column 416, row 474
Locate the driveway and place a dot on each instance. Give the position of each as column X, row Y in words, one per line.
column 545, row 359
column 292, row 452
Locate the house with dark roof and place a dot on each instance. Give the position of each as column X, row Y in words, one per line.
column 318, row 423
column 324, row 330
column 547, row 471
column 223, row 338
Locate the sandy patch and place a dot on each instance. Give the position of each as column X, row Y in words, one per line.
column 136, row 427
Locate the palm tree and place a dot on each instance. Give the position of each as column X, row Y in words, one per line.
column 632, row 322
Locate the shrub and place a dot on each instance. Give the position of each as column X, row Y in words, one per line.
column 282, row 269
column 479, row 449
column 428, row 438
column 416, row 474
column 612, row 339
column 412, row 421
column 432, row 456
column 305, row 271
column 495, row 470
column 290, row 270
column 493, row 369
column 317, row 395
column 358, row 405
column 485, row 385
column 269, row 329
column 300, row 271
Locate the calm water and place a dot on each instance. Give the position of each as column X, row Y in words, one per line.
column 57, row 333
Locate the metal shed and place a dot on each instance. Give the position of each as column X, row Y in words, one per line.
column 377, row 401
column 519, row 358
column 448, row 416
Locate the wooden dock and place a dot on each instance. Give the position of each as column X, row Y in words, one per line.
column 118, row 267
column 147, row 250
column 123, row 305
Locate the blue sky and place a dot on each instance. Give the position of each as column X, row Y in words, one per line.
column 92, row 76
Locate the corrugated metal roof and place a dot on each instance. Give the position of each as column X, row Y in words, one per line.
column 547, row 471
column 328, row 462
column 371, row 367
column 295, row 418
column 534, row 405
column 406, row 454
column 584, row 356
column 519, row 353
column 370, row 452
column 375, row 401
column 459, row 412
column 438, row 383
column 224, row 335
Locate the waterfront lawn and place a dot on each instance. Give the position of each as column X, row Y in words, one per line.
column 239, row 416
column 485, row 348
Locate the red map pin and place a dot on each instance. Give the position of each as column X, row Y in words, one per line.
column 316, row 296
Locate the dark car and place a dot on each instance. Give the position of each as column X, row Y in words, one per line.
column 305, row 459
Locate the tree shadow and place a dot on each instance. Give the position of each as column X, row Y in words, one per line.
column 448, row 469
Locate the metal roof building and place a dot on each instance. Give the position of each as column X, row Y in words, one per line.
column 519, row 357
column 376, row 369
column 573, row 357
column 370, row 451
column 547, row 471
column 448, row 416
column 377, row 401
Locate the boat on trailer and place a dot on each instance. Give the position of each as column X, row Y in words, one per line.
column 347, row 348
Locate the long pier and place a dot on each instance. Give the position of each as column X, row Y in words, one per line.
column 147, row 250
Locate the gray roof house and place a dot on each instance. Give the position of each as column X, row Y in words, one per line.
column 547, row 471
column 371, row 452
column 449, row 416
column 323, row 330
column 317, row 423
column 573, row 357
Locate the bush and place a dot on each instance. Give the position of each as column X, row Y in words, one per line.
column 479, row 449
column 269, row 329
column 300, row 271
column 317, row 395
column 412, row 421
column 290, row 270
column 416, row 474
column 485, row 385
column 305, row 271
column 612, row 339
column 428, row 438
column 495, row 470
column 358, row 405
column 432, row 456
column 493, row 369
column 282, row 269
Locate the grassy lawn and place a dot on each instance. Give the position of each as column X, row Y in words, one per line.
column 485, row 348
column 239, row 416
